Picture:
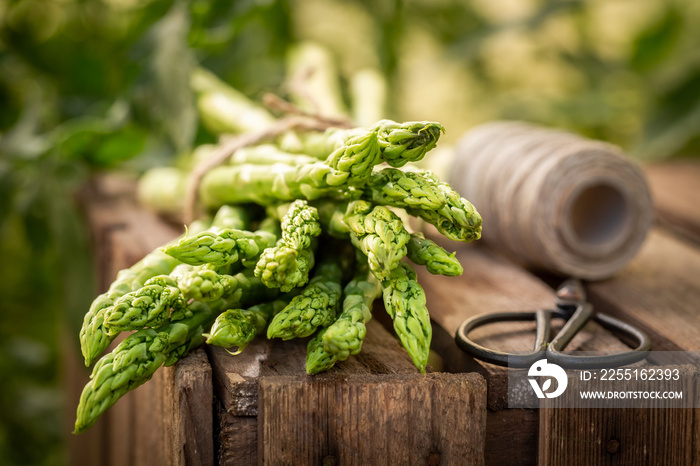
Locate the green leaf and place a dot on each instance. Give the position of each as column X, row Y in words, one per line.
column 657, row 42
column 674, row 120
column 121, row 145
column 172, row 62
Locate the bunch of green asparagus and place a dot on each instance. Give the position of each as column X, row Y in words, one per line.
column 300, row 245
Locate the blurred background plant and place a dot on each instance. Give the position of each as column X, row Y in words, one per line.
column 94, row 85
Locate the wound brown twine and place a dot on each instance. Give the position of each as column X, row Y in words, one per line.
column 553, row 200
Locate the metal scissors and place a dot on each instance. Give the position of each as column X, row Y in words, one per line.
column 571, row 305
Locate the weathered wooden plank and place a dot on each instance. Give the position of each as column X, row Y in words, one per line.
column 168, row 420
column 675, row 188
column 149, row 422
column 659, row 291
column 491, row 283
column 87, row 448
column 238, row 439
column 236, row 377
column 511, row 437
column 365, row 419
column 191, row 394
column 579, row 431
column 237, row 381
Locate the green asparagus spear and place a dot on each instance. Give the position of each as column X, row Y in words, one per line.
column 232, row 217
column 349, row 165
column 397, row 188
column 404, row 301
column 315, row 307
column 284, row 267
column 162, row 189
column 312, row 67
column 379, row 233
column 287, row 265
column 317, row 358
column 225, row 246
column 321, row 145
column 457, row 218
column 136, row 359
column 220, row 249
column 149, row 306
column 345, row 336
column 133, row 362
column 268, row 154
column 224, row 109
column 369, row 93
column 399, row 143
column 407, row 142
column 300, row 225
column 202, row 283
column 437, row 261
column 238, row 327
column 94, row 338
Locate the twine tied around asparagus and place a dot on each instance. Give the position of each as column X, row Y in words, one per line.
column 294, row 119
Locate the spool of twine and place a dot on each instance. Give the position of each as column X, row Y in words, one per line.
column 553, row 200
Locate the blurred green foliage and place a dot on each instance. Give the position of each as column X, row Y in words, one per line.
column 89, row 85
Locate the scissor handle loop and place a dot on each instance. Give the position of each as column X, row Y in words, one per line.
column 553, row 351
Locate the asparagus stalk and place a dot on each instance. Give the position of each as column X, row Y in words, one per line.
column 133, row 362
column 149, row 306
column 345, row 336
column 238, row 327
column 379, row 234
column 314, row 81
column 368, row 89
column 317, row 358
column 397, row 188
column 315, row 307
column 437, row 261
column 287, row 265
column 224, row 247
column 348, row 165
column 202, row 283
column 407, row 142
column 404, row 300
column 223, row 109
column 268, row 154
column 456, row 218
column 94, row 338
column 220, row 249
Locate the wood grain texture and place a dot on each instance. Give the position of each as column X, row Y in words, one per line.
column 192, row 420
column 238, row 439
column 436, row 418
column 169, row 419
column 576, row 431
column 659, row 291
column 675, row 189
column 491, row 283
column 236, row 377
column 511, row 437
column 382, row 366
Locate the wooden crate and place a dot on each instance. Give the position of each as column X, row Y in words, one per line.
column 261, row 408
